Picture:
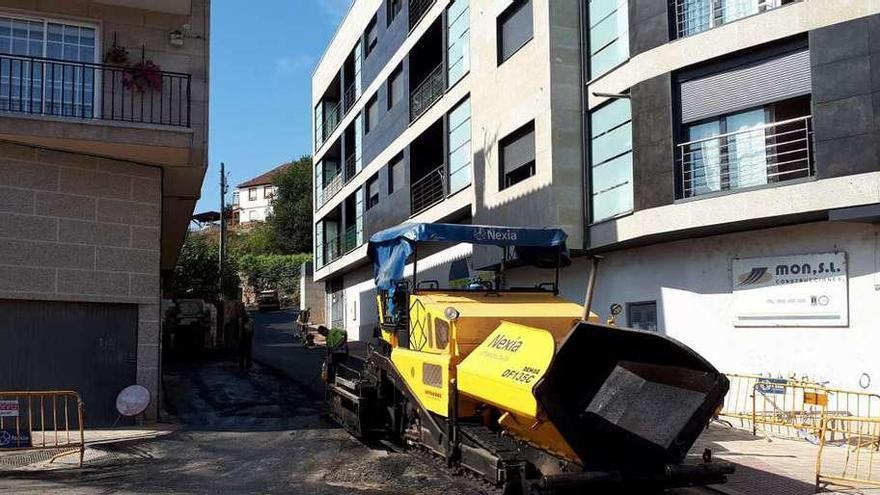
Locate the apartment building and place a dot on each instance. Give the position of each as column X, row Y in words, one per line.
column 103, row 148
column 252, row 199
column 722, row 155
column 734, row 189
column 456, row 111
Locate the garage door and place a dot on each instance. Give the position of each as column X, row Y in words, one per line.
column 90, row 348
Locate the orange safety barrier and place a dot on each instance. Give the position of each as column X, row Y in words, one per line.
column 42, row 421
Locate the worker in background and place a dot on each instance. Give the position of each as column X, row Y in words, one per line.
column 245, row 340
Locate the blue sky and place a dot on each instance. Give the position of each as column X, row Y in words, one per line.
column 262, row 56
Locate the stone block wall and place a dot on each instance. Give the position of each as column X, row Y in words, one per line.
column 79, row 228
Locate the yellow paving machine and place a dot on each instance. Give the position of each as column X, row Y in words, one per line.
column 517, row 386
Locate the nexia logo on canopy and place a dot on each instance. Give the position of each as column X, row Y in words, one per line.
column 506, row 343
column 495, row 235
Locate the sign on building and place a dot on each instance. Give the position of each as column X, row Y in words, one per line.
column 9, row 408
column 807, row 290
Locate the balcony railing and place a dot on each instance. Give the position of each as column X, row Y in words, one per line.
column 696, row 16
column 354, row 237
column 88, row 91
column 429, row 91
column 349, row 98
column 332, row 117
column 770, row 153
column 417, row 10
column 429, row 190
column 350, row 167
column 331, row 250
column 332, row 187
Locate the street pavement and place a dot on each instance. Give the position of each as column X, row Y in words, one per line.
column 254, row 432
column 265, row 431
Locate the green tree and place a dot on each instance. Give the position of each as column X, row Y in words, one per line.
column 196, row 274
column 291, row 217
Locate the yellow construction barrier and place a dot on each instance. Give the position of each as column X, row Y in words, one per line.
column 791, row 408
column 848, row 453
column 47, row 420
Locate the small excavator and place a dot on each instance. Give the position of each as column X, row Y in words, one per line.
column 517, row 386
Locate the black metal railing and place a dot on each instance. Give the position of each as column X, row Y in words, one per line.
column 417, row 10
column 350, row 167
column 332, row 186
column 354, row 237
column 349, row 97
column 331, row 250
column 429, row 190
column 332, row 117
column 82, row 90
column 427, row 92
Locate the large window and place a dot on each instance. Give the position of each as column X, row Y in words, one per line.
column 609, row 35
column 65, row 91
column 460, row 146
column 695, row 16
column 611, row 166
column 252, row 194
column 396, row 179
column 458, row 46
column 371, row 37
column 515, row 28
column 371, row 117
column 396, row 91
column 642, row 315
column 517, row 158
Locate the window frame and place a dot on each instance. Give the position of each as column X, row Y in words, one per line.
column 505, row 16
column 368, row 200
column 396, row 75
column 97, row 80
column 653, row 302
column 589, row 164
column 372, row 106
column 267, row 192
column 252, row 194
column 513, row 136
column 372, row 28
column 391, row 14
column 396, row 160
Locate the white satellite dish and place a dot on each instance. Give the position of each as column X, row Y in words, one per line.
column 133, row 400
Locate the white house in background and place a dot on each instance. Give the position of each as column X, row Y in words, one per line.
column 252, row 199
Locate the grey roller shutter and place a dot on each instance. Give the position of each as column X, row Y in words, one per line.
column 519, row 152
column 747, row 86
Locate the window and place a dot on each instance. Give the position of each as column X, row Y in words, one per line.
column 267, row 192
column 695, row 16
column 459, row 38
column 642, row 316
column 609, row 35
column 372, row 191
column 252, row 194
column 371, row 116
column 371, row 37
column 515, row 28
column 395, row 87
column 611, row 167
column 394, row 8
column 459, row 146
column 69, row 92
column 396, row 178
column 517, row 156
column 252, row 215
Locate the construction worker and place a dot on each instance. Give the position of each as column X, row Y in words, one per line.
column 245, row 340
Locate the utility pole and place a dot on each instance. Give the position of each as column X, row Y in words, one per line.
column 223, row 190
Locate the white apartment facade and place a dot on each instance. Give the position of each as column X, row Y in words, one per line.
column 252, row 199
column 722, row 156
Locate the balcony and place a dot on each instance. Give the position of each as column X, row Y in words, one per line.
column 696, row 16
column 354, row 237
column 427, row 92
column 89, row 91
column 350, row 168
column 332, row 186
column 331, row 250
column 757, row 156
column 349, row 98
column 429, row 190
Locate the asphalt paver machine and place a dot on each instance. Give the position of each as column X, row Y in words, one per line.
column 517, row 386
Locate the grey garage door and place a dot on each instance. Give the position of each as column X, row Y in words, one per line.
column 89, row 348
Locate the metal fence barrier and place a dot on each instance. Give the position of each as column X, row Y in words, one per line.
column 45, row 420
column 792, row 408
column 848, row 453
